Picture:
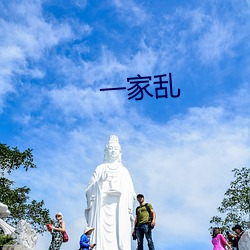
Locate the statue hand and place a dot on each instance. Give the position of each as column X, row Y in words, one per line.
column 132, row 217
column 104, row 176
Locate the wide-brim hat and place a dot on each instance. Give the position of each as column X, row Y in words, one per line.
column 237, row 227
column 87, row 229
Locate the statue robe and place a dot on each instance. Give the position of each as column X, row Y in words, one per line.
column 244, row 242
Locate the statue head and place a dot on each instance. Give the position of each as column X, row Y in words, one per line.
column 4, row 211
column 113, row 150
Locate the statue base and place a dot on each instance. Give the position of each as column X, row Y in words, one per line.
column 12, row 247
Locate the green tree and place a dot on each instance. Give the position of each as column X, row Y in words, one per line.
column 17, row 199
column 235, row 206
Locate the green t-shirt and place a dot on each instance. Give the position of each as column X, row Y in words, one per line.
column 142, row 214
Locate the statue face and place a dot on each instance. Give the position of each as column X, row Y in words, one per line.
column 114, row 150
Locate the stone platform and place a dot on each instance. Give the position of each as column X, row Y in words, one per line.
column 13, row 247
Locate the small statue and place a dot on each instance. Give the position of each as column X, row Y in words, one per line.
column 23, row 234
column 4, row 212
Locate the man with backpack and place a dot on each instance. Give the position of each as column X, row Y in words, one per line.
column 144, row 223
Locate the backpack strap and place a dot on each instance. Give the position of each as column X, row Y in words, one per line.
column 137, row 210
column 147, row 207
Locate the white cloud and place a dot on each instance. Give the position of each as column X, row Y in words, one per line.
column 80, row 3
column 199, row 33
column 10, row 57
column 106, row 68
column 32, row 33
column 198, row 19
column 25, row 35
column 217, row 42
column 144, row 61
column 85, row 102
column 131, row 12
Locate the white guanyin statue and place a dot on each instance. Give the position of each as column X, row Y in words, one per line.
column 110, row 198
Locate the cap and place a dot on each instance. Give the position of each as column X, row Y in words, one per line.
column 140, row 195
column 237, row 227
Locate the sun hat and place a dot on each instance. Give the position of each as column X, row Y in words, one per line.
column 87, row 229
column 59, row 213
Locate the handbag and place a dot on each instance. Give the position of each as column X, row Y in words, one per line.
column 49, row 227
column 65, row 236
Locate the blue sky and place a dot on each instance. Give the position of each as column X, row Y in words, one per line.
column 54, row 58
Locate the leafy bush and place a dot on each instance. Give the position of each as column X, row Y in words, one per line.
column 6, row 240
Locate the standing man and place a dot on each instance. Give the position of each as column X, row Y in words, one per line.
column 144, row 223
